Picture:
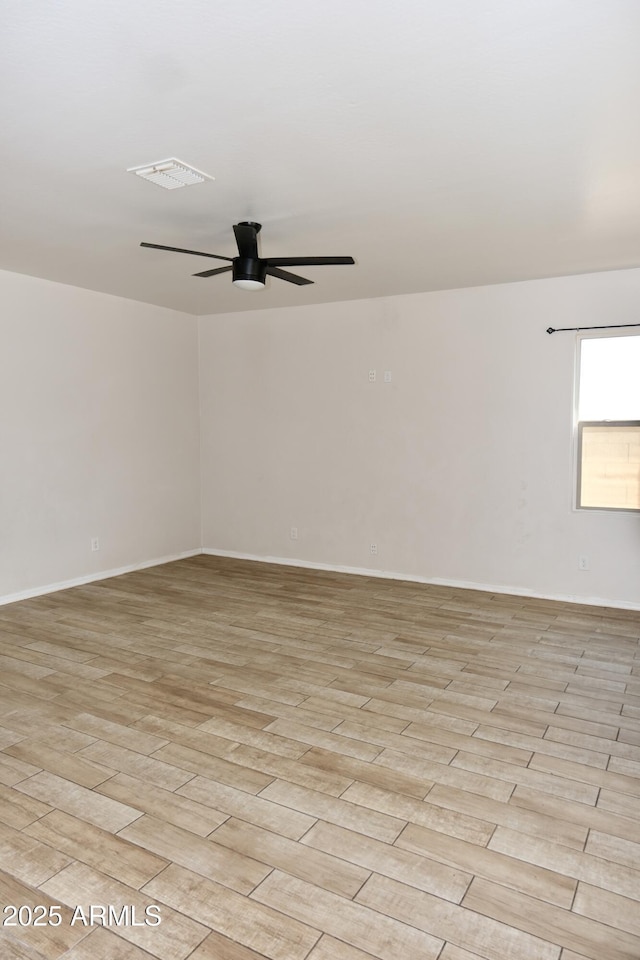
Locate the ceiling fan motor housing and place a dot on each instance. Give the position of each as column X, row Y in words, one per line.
column 249, row 268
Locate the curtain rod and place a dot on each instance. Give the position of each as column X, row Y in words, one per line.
column 611, row 326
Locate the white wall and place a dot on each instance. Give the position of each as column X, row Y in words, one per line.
column 460, row 469
column 98, row 433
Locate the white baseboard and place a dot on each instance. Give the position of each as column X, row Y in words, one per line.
column 515, row 591
column 92, row 577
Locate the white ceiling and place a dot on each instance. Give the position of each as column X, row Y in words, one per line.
column 442, row 143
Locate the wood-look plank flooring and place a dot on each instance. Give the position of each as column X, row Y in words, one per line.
column 301, row 765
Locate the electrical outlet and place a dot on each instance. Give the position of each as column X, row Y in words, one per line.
column 373, row 549
column 293, row 533
column 372, row 376
column 583, row 562
column 95, row 544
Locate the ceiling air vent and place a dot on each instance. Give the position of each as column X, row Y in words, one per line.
column 170, row 174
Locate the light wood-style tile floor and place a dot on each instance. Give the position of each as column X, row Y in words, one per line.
column 300, row 765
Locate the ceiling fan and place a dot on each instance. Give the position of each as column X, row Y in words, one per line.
column 250, row 270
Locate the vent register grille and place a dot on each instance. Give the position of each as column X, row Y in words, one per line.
column 170, row 174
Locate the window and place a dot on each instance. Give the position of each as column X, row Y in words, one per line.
column 609, row 423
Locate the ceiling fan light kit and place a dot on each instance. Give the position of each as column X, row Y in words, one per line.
column 244, row 284
column 249, row 271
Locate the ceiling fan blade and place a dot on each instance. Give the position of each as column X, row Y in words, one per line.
column 212, row 273
column 197, row 253
column 289, row 277
column 306, row 261
column 247, row 239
